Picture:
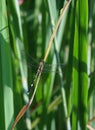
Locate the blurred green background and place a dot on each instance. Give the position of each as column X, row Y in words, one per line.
column 65, row 96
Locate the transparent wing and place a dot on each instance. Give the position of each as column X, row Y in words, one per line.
column 33, row 64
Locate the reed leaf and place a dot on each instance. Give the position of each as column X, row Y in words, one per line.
column 6, row 79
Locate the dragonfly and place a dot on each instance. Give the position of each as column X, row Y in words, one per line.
column 41, row 67
column 39, row 71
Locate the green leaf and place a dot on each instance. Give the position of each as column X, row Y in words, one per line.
column 6, row 80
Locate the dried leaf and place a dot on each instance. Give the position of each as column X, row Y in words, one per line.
column 21, row 113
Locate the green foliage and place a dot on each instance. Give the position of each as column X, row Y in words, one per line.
column 63, row 100
column 6, row 80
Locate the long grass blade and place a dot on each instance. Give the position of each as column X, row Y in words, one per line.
column 6, row 80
